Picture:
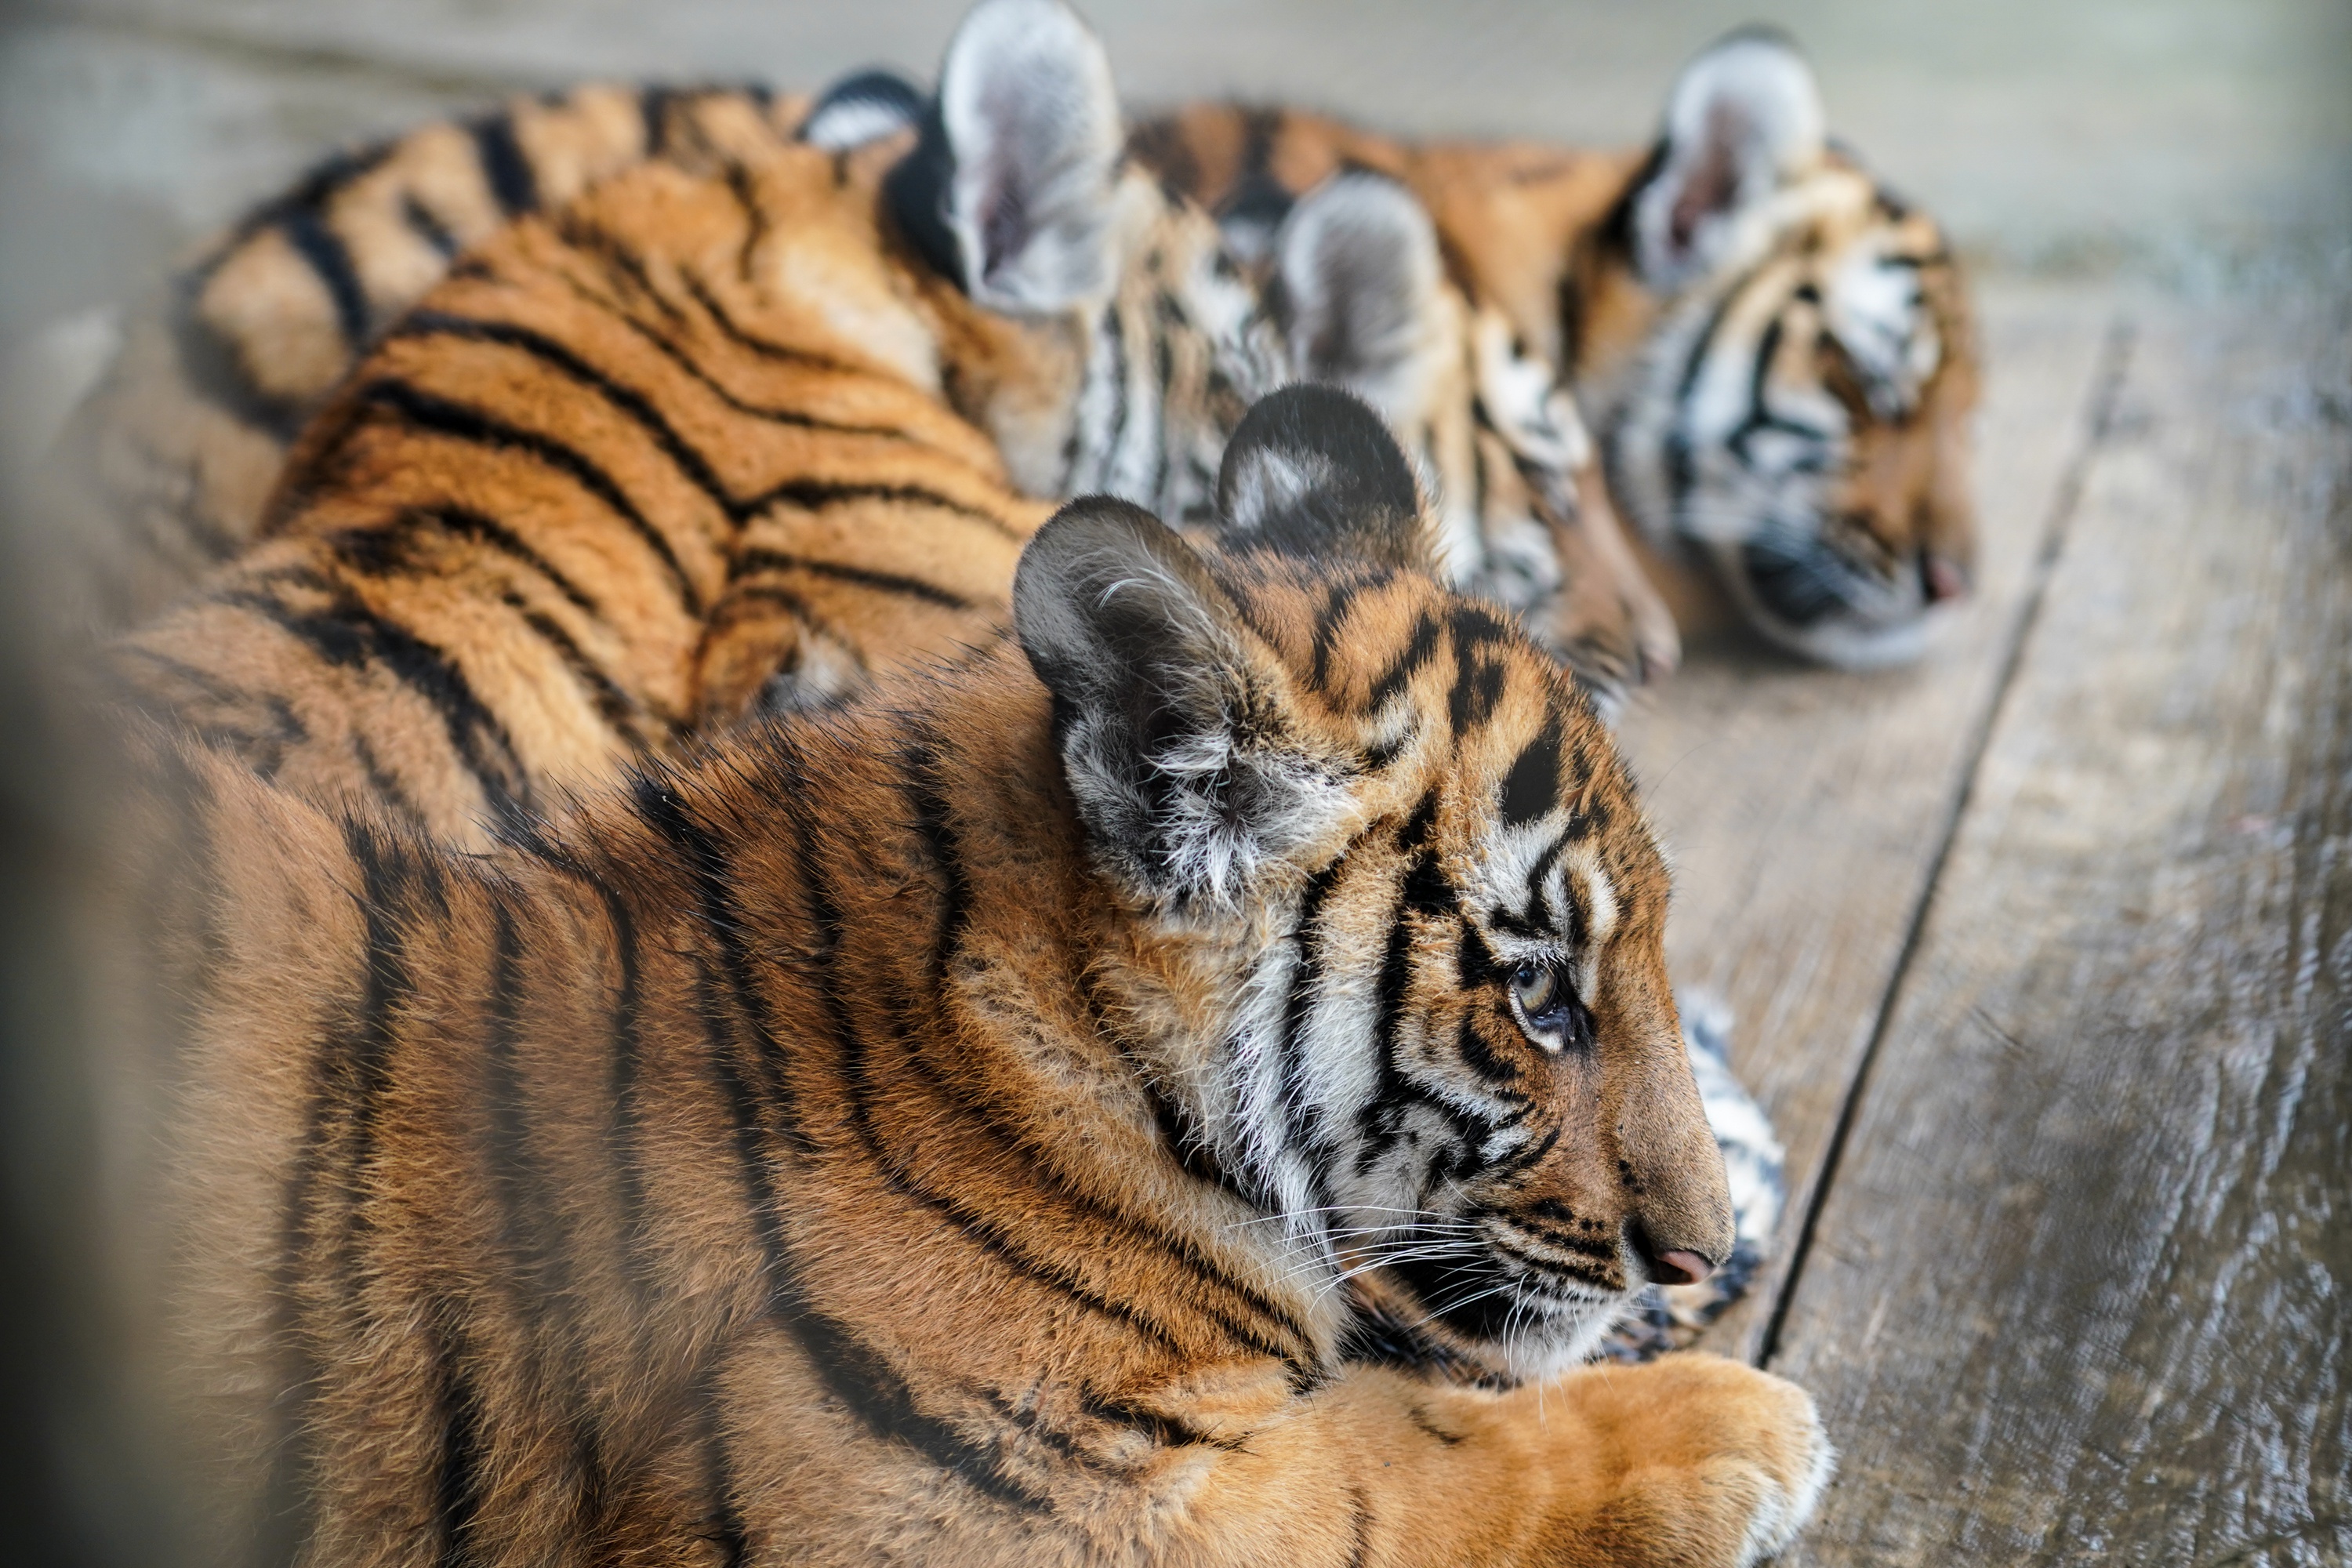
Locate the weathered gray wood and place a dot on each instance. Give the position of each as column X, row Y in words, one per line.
column 2048, row 128
column 2082, row 1288
column 1805, row 809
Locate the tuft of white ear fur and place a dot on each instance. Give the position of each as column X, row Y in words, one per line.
column 1744, row 119
column 1176, row 751
column 1032, row 121
column 1358, row 270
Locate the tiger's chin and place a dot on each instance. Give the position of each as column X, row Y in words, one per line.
column 1830, row 612
column 1516, row 1334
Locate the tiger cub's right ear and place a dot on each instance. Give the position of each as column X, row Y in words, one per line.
column 1010, row 190
column 1745, row 119
column 1357, row 279
column 1313, row 472
column 1174, row 738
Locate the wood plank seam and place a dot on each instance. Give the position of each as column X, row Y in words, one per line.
column 242, row 49
column 2098, row 423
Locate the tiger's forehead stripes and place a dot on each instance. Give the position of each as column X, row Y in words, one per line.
column 1498, row 764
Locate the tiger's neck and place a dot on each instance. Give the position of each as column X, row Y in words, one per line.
column 964, row 1029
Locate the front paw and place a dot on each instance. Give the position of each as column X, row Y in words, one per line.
column 1709, row 1462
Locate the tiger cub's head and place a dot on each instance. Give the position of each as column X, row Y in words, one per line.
column 1115, row 334
column 1797, row 405
column 1110, row 343
column 1391, row 916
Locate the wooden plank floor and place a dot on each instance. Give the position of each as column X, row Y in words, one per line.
column 2078, row 1287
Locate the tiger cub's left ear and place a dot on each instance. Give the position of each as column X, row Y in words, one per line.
column 1744, row 118
column 1175, row 738
column 1313, row 472
column 1010, row 189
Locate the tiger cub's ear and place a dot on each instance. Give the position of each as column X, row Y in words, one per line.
column 1313, row 472
column 860, row 108
column 1357, row 276
column 1010, row 189
column 1174, row 741
column 1745, row 118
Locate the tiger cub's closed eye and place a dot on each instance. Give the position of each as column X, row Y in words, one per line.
column 1547, row 1005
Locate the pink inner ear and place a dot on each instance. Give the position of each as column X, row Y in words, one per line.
column 1004, row 226
column 1713, row 182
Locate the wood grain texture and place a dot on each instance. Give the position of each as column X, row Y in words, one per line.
column 2082, row 1288
column 1805, row 808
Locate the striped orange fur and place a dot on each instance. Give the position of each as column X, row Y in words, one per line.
column 170, row 459
column 940, row 1130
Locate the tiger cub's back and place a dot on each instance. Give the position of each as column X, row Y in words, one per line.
column 166, row 466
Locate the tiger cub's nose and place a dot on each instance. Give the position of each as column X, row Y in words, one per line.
column 1674, row 1265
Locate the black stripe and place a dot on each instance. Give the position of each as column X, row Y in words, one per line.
column 662, row 344
column 505, row 168
column 1381, row 1121
column 270, row 727
column 1117, row 434
column 385, row 786
column 306, row 229
column 1328, row 618
column 1303, row 1125
column 663, row 810
column 752, row 561
column 459, row 1483
column 618, row 261
column 1531, row 788
column 766, row 348
column 926, row 791
column 1471, row 1043
column 441, row 416
column 424, row 223
column 213, row 365
column 527, row 1212
column 620, row 711
column 382, row 550
column 817, row 494
column 734, row 1546
column 348, row 634
column 755, row 219
column 1419, row 649
column 653, row 110
column 627, row 401
column 349, row 1074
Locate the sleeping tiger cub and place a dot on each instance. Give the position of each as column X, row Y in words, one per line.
column 171, row 459
column 1776, row 350
column 937, row 1130
column 696, row 445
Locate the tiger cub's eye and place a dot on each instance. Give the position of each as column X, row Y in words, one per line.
column 1536, row 986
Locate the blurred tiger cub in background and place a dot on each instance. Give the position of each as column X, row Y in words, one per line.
column 943, row 1130
column 1776, row 352
column 171, row 461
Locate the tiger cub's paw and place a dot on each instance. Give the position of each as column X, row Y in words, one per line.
column 1724, row 1464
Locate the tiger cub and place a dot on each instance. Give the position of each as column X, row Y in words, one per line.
column 933, row 1130
column 697, row 445
column 170, row 460
column 1776, row 352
